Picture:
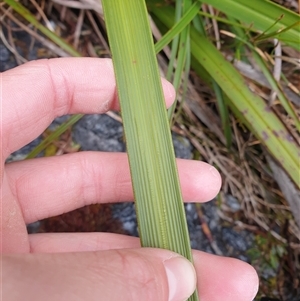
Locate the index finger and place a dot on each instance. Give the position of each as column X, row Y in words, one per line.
column 37, row 92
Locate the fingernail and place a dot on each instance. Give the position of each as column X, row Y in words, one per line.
column 214, row 172
column 181, row 278
column 169, row 91
column 254, row 291
column 255, row 286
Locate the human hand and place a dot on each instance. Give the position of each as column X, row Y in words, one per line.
column 90, row 266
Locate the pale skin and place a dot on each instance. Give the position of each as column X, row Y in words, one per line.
column 90, row 266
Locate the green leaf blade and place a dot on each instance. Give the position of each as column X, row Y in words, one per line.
column 160, row 210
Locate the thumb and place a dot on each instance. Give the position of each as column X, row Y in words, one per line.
column 128, row 274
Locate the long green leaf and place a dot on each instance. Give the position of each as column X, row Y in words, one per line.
column 160, row 211
column 58, row 131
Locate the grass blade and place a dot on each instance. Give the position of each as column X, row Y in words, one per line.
column 178, row 27
column 60, row 130
column 223, row 112
column 160, row 211
column 183, row 58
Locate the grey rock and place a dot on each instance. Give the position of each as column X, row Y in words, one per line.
column 126, row 214
column 182, row 147
column 237, row 242
column 99, row 133
column 33, row 227
column 22, row 152
column 210, row 211
column 4, row 53
column 7, row 60
column 233, row 204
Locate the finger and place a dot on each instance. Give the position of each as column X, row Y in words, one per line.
column 219, row 278
column 50, row 88
column 226, row 279
column 85, row 178
column 148, row 274
column 80, row 242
